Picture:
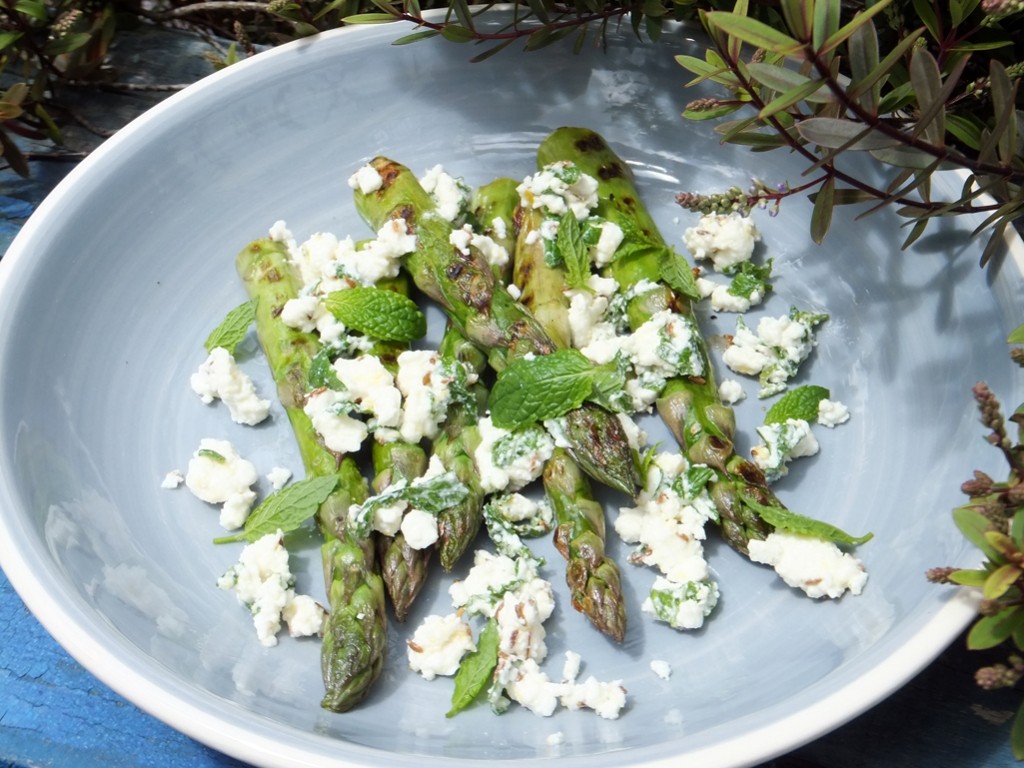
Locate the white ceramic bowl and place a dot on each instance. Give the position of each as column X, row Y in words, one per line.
column 109, row 291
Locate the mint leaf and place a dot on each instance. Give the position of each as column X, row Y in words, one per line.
column 233, row 328
column 786, row 520
column 573, row 250
column 676, row 273
column 799, row 403
column 321, row 372
column 538, row 388
column 379, row 313
column 749, row 278
column 437, row 493
column 476, row 669
column 211, row 455
column 286, row 509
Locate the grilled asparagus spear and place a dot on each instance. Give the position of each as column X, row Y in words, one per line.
column 486, row 314
column 354, row 633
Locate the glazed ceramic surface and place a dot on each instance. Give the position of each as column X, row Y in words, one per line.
column 109, row 292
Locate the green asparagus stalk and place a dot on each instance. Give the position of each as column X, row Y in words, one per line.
column 459, row 525
column 593, row 578
column 493, row 212
column 403, row 568
column 690, row 406
column 486, row 314
column 595, row 583
column 354, row 633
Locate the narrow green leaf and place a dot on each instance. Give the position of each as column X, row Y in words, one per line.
column 1004, row 133
column 33, row 8
column 285, row 510
column 826, row 21
column 926, row 13
column 927, row 82
column 915, row 233
column 457, row 34
column 863, row 55
column 799, row 17
column 995, row 242
column 753, row 32
column 904, row 157
column 784, row 80
column 834, row 132
column 1017, row 734
column 707, row 71
column 233, row 329
column 475, row 670
column 369, row 18
column 787, row 520
column 8, row 38
column 965, row 129
column 969, row 577
column 1001, row 579
column 821, row 215
column 850, row 27
column 1017, row 336
column 877, row 75
column 710, row 114
column 990, row 631
column 415, row 36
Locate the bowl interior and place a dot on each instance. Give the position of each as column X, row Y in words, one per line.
column 110, row 290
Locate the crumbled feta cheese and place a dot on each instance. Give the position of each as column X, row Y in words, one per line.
column 514, row 291
column 499, row 227
column 726, row 239
column 606, row 698
column 661, row 668
column 776, row 351
column 488, row 580
column 465, row 238
column 371, row 387
column 172, row 479
column 780, row 443
column 217, row 474
column 278, row 477
column 263, row 582
column 438, row 645
column 419, row 528
column 559, row 188
column 509, row 460
column 722, row 300
column 451, row 195
column 668, row 344
column 635, row 436
column 607, row 244
column 667, row 524
column 382, row 256
column 280, row 233
column 424, row 379
column 328, row 411
column 816, row 566
column 220, row 377
column 731, row 391
column 832, row 413
column 367, row 179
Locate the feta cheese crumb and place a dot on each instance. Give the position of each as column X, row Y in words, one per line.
column 509, row 460
column 816, row 566
column 328, row 411
column 263, row 582
column 220, row 377
column 172, row 479
column 559, row 188
column 366, row 180
column 419, row 528
column 832, row 413
column 438, row 645
column 661, row 668
column 776, row 351
column 278, row 477
column 731, row 391
column 450, row 194
column 726, row 239
column 781, row 442
column 217, row 474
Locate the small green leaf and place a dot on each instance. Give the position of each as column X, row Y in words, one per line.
column 322, row 373
column 1017, row 734
column 783, row 79
column 677, row 273
column 233, row 329
column 206, row 453
column 573, row 250
column 786, row 520
column 799, row 403
column 286, row 509
column 538, row 388
column 833, row 132
column 476, row 669
column 969, row 577
column 1001, row 579
column 821, row 214
column 436, row 494
column 369, row 18
column 1017, row 336
column 378, row 313
column 990, row 631
column 416, row 36
column 749, row 278
column 753, row 32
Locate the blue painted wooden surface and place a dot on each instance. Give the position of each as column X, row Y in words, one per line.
column 53, row 713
